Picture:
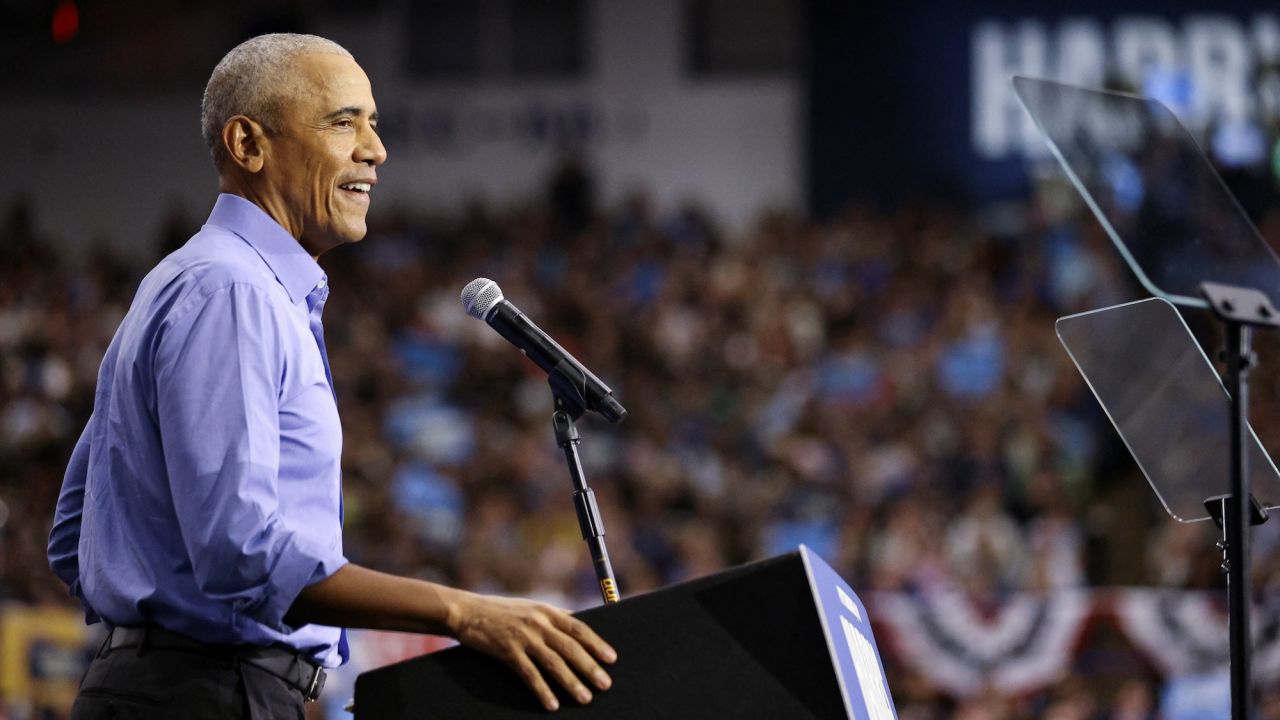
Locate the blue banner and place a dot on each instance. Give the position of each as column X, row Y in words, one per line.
column 914, row 101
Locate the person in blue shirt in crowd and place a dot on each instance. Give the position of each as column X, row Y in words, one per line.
column 200, row 516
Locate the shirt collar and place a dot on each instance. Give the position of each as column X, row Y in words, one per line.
column 296, row 270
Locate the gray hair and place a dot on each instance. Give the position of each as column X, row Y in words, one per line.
column 256, row 79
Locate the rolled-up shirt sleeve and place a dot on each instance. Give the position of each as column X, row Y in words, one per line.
column 219, row 366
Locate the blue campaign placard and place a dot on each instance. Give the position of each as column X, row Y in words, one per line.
column 847, row 627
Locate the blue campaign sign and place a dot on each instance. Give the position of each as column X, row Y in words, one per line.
column 912, row 101
column 847, row 628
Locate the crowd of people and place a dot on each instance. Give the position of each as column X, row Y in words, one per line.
column 885, row 387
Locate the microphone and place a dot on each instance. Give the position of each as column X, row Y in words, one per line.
column 572, row 383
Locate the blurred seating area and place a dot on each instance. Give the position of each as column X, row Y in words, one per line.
column 885, row 387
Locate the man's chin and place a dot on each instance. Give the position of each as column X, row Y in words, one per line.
column 355, row 234
column 352, row 231
column 344, row 236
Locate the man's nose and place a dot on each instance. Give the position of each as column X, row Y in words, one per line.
column 370, row 150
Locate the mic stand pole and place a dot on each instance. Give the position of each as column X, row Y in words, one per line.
column 584, row 500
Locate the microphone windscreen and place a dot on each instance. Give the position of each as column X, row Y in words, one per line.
column 479, row 297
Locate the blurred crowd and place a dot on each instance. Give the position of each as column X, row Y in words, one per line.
column 885, row 387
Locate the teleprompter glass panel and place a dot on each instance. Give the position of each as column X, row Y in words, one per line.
column 1166, row 401
column 1152, row 188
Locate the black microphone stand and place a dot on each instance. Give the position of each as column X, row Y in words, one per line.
column 570, row 395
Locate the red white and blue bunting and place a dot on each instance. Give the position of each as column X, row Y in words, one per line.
column 1186, row 632
column 1025, row 642
column 1018, row 645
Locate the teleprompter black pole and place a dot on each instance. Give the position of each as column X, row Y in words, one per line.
column 584, row 501
column 1236, row 526
column 1240, row 309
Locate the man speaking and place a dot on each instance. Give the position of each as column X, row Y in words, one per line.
column 200, row 517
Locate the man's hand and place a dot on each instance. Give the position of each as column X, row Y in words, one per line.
column 526, row 635
column 521, row 633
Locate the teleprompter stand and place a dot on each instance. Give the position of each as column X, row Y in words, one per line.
column 1187, row 433
column 1240, row 310
column 1189, row 242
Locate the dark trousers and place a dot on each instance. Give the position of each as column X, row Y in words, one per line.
column 167, row 684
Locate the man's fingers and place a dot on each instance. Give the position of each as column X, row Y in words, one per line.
column 559, row 670
column 541, row 643
column 586, row 637
column 581, row 660
column 528, row 672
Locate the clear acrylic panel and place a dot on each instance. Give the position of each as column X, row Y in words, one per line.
column 1153, row 189
column 1166, row 401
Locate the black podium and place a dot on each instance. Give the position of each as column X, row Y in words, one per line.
column 780, row 638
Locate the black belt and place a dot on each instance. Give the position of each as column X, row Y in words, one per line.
column 288, row 665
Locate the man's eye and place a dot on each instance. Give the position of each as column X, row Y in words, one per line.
column 345, row 122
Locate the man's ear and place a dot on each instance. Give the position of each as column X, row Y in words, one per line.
column 246, row 143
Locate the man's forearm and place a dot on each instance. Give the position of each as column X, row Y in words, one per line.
column 357, row 597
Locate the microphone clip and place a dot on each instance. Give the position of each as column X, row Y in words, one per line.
column 569, row 388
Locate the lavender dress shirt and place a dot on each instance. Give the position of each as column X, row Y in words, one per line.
column 204, row 494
